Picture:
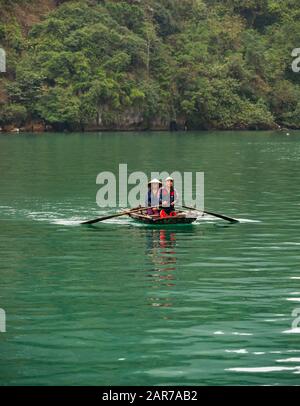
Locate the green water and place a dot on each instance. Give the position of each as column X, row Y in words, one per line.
column 124, row 304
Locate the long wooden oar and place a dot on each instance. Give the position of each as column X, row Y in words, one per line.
column 221, row 216
column 124, row 213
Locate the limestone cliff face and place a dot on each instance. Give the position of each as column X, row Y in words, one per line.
column 25, row 13
column 130, row 120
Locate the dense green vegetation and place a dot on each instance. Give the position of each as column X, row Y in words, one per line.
column 141, row 64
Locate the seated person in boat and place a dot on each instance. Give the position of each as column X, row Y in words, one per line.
column 152, row 197
column 168, row 197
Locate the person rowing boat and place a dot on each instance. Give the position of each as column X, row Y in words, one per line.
column 152, row 197
column 168, row 197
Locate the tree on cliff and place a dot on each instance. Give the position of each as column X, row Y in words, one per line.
column 116, row 64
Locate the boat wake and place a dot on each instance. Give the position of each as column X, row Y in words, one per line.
column 69, row 218
column 67, row 222
column 295, row 330
column 248, row 220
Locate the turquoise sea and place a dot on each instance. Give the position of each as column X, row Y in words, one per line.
column 124, row 304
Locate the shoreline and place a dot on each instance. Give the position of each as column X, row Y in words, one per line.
column 39, row 128
column 285, row 131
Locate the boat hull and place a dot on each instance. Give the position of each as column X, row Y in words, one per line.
column 156, row 221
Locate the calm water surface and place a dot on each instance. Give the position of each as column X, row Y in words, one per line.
column 123, row 304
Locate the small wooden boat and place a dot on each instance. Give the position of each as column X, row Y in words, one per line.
column 180, row 218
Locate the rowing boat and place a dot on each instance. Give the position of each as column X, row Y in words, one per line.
column 180, row 218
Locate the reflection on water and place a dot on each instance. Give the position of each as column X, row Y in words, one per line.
column 161, row 249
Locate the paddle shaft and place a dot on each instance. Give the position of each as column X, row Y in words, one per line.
column 124, row 213
column 221, row 216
